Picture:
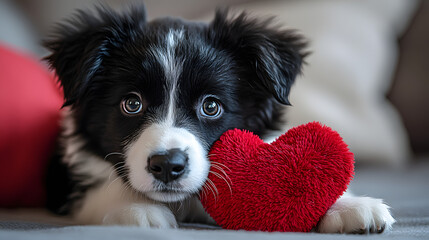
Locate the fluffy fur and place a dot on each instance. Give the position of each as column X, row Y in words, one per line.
column 240, row 67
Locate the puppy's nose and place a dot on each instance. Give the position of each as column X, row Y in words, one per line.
column 168, row 166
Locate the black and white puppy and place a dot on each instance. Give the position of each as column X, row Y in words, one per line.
column 144, row 101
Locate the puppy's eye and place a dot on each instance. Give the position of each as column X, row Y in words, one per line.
column 132, row 104
column 211, row 108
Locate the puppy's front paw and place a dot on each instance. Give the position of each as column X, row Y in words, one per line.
column 143, row 215
column 356, row 215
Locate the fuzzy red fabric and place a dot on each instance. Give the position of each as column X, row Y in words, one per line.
column 30, row 105
column 285, row 186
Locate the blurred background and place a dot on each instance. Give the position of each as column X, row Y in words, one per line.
column 367, row 76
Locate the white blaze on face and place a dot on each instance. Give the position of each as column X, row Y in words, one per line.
column 162, row 135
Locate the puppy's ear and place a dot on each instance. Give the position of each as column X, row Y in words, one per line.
column 272, row 58
column 80, row 45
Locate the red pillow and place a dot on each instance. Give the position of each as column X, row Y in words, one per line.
column 29, row 123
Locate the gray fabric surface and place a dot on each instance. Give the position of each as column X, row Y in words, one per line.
column 406, row 191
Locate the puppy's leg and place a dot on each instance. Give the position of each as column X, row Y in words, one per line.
column 351, row 214
column 114, row 204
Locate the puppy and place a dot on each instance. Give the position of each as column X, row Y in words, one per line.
column 144, row 101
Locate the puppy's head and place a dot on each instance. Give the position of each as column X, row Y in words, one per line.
column 161, row 92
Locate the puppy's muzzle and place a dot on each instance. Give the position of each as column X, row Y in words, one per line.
column 169, row 165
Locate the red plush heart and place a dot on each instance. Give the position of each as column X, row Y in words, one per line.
column 287, row 185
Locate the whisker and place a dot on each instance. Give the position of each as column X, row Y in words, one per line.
column 214, row 186
column 210, row 187
column 221, row 169
column 116, row 179
column 201, row 194
column 114, row 167
column 222, row 165
column 113, row 153
column 224, row 179
column 118, row 170
column 227, row 179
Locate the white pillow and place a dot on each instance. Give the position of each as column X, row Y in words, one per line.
column 354, row 52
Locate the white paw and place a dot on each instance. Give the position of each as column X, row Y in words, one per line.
column 143, row 215
column 356, row 215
